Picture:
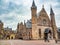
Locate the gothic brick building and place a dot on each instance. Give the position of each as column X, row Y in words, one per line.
column 40, row 25
column 37, row 27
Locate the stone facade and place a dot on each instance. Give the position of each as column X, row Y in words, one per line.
column 39, row 24
column 23, row 31
column 6, row 33
column 42, row 22
column 36, row 28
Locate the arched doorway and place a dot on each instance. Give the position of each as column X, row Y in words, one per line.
column 58, row 32
column 20, row 38
column 29, row 36
column 8, row 37
column 40, row 33
column 47, row 33
column 12, row 36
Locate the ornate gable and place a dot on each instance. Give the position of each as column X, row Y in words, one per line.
column 43, row 18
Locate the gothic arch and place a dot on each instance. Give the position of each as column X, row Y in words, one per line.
column 48, row 33
column 40, row 33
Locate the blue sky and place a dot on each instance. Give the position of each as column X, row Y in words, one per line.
column 14, row 11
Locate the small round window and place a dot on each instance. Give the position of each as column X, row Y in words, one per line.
column 44, row 21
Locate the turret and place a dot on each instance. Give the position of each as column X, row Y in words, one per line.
column 24, row 23
column 33, row 12
column 53, row 24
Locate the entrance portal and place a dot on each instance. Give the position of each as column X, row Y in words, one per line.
column 11, row 37
column 47, row 33
column 8, row 37
column 58, row 32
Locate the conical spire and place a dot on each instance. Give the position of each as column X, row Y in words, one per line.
column 18, row 25
column 24, row 23
column 0, row 21
column 42, row 6
column 21, row 23
column 51, row 11
column 33, row 4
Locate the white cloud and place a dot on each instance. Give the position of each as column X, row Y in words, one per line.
column 12, row 19
column 23, row 13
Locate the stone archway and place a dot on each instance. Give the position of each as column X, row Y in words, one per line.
column 12, row 36
column 40, row 33
column 58, row 32
column 8, row 37
column 47, row 33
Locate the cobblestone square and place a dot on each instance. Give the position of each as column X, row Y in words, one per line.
column 27, row 42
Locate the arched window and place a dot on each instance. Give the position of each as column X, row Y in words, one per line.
column 40, row 33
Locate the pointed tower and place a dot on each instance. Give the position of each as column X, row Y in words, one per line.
column 53, row 24
column 24, row 23
column 18, row 28
column 34, row 21
column 24, row 30
column 33, row 12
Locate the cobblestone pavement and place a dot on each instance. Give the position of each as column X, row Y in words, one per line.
column 27, row 42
